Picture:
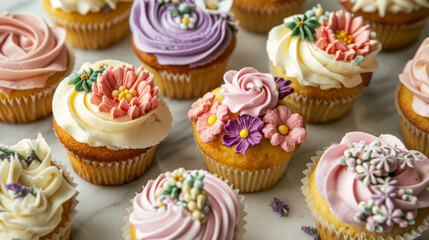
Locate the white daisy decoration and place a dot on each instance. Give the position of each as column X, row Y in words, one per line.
column 186, row 21
column 214, row 6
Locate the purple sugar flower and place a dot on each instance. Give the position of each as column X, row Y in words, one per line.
column 283, row 87
column 245, row 131
column 279, row 207
column 20, row 191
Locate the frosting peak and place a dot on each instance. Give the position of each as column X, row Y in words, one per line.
column 373, row 181
column 416, row 78
column 30, row 52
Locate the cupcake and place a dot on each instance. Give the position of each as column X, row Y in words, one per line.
column 184, row 44
column 243, row 135
column 34, row 60
column 397, row 23
column 38, row 196
column 368, row 188
column 110, row 119
column 91, row 24
column 412, row 100
column 329, row 57
column 262, row 15
column 186, row 205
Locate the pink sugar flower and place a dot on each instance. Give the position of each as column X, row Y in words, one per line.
column 345, row 36
column 284, row 128
column 211, row 123
column 201, row 106
column 124, row 91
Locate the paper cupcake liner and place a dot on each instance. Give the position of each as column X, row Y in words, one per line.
column 112, row 173
column 126, row 230
column 319, row 110
column 29, row 108
column 192, row 84
column 63, row 233
column 262, row 19
column 95, row 35
column 414, row 137
column 329, row 231
column 246, row 181
column 394, row 36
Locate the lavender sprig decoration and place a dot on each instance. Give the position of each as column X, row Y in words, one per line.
column 20, row 191
column 5, row 154
column 279, row 207
column 311, row 231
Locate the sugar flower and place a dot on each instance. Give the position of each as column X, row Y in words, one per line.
column 211, row 123
column 345, row 36
column 214, row 6
column 124, row 91
column 303, row 27
column 201, row 106
column 243, row 132
column 283, row 87
column 284, row 128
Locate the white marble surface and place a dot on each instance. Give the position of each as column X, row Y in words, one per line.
column 101, row 209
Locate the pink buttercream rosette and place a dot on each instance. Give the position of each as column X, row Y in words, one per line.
column 355, row 41
column 140, row 80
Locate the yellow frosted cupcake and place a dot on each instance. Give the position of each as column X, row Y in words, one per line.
column 38, row 196
column 262, row 15
column 368, row 187
column 34, row 60
column 329, row 57
column 413, row 100
column 110, row 119
column 243, row 134
column 90, row 24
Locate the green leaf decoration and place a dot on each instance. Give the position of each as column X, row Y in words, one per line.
column 174, row 12
column 83, row 81
column 303, row 27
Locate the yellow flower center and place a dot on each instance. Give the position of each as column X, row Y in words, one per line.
column 84, row 76
column 344, row 36
column 185, row 20
column 211, row 121
column 211, row 5
column 161, row 204
column 123, row 92
column 300, row 24
column 277, row 86
column 178, row 177
column 283, row 129
column 244, row 133
column 199, row 104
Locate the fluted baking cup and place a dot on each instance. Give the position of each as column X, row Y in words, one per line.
column 127, row 229
column 191, row 84
column 316, row 110
column 112, row 173
column 246, row 181
column 261, row 19
column 329, row 231
column 63, row 232
column 93, row 35
column 395, row 36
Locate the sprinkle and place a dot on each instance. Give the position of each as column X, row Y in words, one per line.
column 279, row 207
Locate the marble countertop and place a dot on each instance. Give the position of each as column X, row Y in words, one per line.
column 101, row 209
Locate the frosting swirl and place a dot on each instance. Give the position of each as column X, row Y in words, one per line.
column 85, row 6
column 74, row 112
column 416, row 78
column 33, row 215
column 362, row 171
column 388, row 6
column 30, row 52
column 302, row 60
column 249, row 92
column 156, row 32
column 175, row 223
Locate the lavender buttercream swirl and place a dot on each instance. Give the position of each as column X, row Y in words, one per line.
column 175, row 223
column 156, row 32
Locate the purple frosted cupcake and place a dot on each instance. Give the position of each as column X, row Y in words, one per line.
column 184, row 44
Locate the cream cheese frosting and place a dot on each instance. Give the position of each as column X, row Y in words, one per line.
column 30, row 52
column 85, row 6
column 74, row 112
column 416, row 78
column 389, row 6
column 305, row 62
column 173, row 222
column 36, row 213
